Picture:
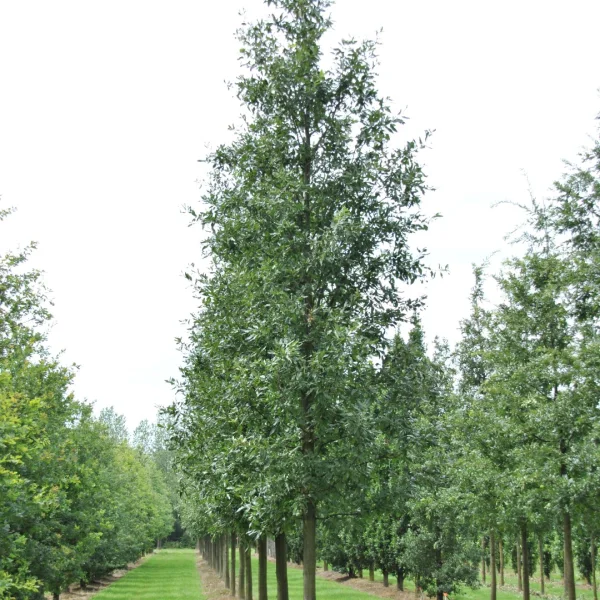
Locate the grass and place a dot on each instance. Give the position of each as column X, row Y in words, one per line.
column 326, row 590
column 167, row 575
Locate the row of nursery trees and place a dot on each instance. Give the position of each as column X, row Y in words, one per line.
column 77, row 499
column 302, row 416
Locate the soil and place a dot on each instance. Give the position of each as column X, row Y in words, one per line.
column 212, row 585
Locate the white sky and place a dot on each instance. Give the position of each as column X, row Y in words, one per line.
column 105, row 108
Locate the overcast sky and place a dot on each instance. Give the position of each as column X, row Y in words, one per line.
column 105, row 108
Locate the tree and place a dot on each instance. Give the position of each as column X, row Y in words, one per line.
column 311, row 207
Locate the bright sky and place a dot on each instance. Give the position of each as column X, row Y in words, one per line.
column 106, row 106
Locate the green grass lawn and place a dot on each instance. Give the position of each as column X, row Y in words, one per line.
column 167, row 575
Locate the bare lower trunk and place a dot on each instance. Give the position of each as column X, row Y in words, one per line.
column 483, row 560
column 360, row 573
column 242, row 580
column 232, row 577
column 248, row 558
column 400, row 579
column 525, row 559
column 593, row 551
column 568, row 565
column 541, row 552
column 493, row 586
column 386, row 579
column 226, row 549
column 281, row 567
column 371, row 573
column 262, row 568
column 519, row 578
column 501, row 552
column 310, row 554
column 325, row 566
column 55, row 596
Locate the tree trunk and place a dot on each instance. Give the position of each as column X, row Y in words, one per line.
column 281, row 567
column 55, row 596
column 400, row 579
column 568, row 565
column 525, row 560
column 493, row 586
column 386, row 580
column 310, row 554
column 593, row 551
column 227, row 574
column 360, row 573
column 262, row 568
column 501, row 552
column 519, row 578
column 248, row 574
column 325, row 566
column 483, row 560
column 242, row 581
column 417, row 586
column 232, row 577
column 541, row 551
column 371, row 573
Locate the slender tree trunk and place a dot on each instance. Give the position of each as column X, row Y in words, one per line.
column 501, row 552
column 227, row 573
column 262, row 568
column 248, row 573
column 242, row 581
column 386, row 579
column 417, row 586
column 232, row 576
column 400, row 579
column 519, row 578
column 371, row 573
column 310, row 554
column 281, row 567
column 55, row 596
column 568, row 566
column 493, row 585
column 325, row 566
column 525, row 559
column 593, row 551
column 541, row 552
column 483, row 560
column 360, row 573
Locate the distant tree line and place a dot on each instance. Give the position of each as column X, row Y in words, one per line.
column 77, row 498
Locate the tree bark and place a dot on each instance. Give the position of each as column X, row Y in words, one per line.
column 493, row 586
column 483, row 560
column 593, row 552
column 400, row 579
column 501, row 552
column 310, row 554
column 386, row 580
column 281, row 567
column 325, row 566
column 371, row 573
column 525, row 559
column 519, row 578
column 232, row 577
column 262, row 568
column 242, row 580
column 360, row 573
column 569, row 576
column 248, row 573
column 541, row 552
column 55, row 596
column 227, row 574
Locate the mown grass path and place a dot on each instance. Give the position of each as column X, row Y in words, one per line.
column 167, row 575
